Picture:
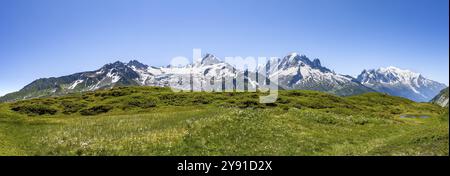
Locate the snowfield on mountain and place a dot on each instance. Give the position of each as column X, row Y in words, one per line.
column 403, row 83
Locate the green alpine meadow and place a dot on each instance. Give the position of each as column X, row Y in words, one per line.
column 155, row 121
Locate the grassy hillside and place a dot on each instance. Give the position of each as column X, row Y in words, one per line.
column 156, row 121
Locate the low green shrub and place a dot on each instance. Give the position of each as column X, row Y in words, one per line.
column 141, row 102
column 283, row 100
column 201, row 100
column 34, row 109
column 396, row 111
column 95, row 110
column 70, row 107
column 298, row 106
column 175, row 99
column 359, row 120
column 295, row 93
column 246, row 103
column 271, row 104
column 112, row 93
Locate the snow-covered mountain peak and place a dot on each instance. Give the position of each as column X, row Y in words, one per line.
column 292, row 55
column 210, row 59
column 116, row 64
column 296, row 71
column 388, row 75
column 399, row 72
column 295, row 60
column 400, row 82
column 137, row 64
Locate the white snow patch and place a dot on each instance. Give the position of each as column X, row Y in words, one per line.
column 74, row 84
column 114, row 77
column 99, row 72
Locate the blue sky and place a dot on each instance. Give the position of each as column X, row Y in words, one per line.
column 45, row 38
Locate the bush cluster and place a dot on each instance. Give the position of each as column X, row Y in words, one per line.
column 70, row 107
column 34, row 109
column 95, row 110
column 141, row 102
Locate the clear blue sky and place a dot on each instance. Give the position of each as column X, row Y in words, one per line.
column 45, row 38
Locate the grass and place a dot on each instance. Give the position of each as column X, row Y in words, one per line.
column 156, row 121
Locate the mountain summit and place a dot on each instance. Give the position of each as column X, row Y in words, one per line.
column 399, row 82
column 299, row 72
column 137, row 64
column 210, row 59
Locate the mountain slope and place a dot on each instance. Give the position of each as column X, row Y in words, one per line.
column 209, row 70
column 442, row 98
column 299, row 72
column 110, row 75
column 403, row 83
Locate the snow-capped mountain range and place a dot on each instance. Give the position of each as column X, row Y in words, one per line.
column 296, row 71
column 398, row 82
column 293, row 71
